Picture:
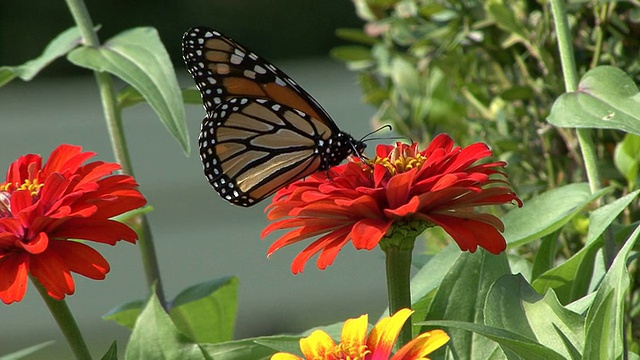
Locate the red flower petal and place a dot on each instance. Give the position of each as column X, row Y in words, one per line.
column 13, row 277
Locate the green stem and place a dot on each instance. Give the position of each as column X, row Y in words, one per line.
column 66, row 322
column 118, row 142
column 398, row 264
column 570, row 73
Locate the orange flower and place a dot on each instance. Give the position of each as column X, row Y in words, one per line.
column 440, row 186
column 356, row 345
column 41, row 208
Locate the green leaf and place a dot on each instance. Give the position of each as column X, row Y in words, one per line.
column 356, row 35
column 571, row 279
column 512, row 304
column 129, row 96
column 206, row 312
column 525, row 347
column 241, row 349
column 461, row 297
column 58, row 47
column 139, row 58
column 505, row 18
column 112, row 353
column 428, row 279
column 352, row 53
column 605, row 318
column 627, row 158
column 20, row 354
column 156, row 337
column 549, row 211
column 289, row 344
column 125, row 314
column 607, row 98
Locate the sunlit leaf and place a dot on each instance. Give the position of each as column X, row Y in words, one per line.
column 547, row 212
column 139, row 58
column 58, row 47
column 156, row 337
column 605, row 318
column 607, row 98
column 512, row 304
column 468, row 281
column 125, row 314
column 207, row 312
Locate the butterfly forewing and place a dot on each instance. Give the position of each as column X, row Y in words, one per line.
column 262, row 130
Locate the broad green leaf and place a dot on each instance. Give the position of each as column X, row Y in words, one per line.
column 244, row 349
column 547, row 213
column 524, row 347
column 627, row 158
column 405, row 77
column 207, row 312
column 139, row 58
column 601, row 218
column 112, row 353
column 125, row 314
column 607, row 98
column 21, row 354
column 289, row 344
column 605, row 318
column 513, row 305
column 461, row 297
column 58, row 47
column 156, row 337
column 429, row 277
column 570, row 280
column 545, row 255
column 129, row 96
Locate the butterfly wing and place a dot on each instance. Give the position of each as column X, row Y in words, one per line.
column 252, row 147
column 223, row 69
column 262, row 130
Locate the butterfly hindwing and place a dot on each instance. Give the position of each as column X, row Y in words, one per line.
column 252, row 147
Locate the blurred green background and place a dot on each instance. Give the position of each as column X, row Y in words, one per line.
column 198, row 236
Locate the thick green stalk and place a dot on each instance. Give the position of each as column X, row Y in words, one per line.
column 398, row 265
column 66, row 323
column 118, row 142
column 570, row 72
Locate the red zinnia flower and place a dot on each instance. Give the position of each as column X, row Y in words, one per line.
column 357, row 202
column 41, row 208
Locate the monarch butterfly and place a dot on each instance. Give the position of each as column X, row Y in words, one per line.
column 261, row 131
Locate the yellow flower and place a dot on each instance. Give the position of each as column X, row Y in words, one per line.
column 356, row 345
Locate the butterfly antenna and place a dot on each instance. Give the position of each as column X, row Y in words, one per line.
column 365, row 137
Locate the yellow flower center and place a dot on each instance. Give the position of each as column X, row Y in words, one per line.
column 400, row 160
column 33, row 187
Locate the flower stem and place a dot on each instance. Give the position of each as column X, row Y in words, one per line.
column 113, row 117
column 66, row 322
column 398, row 264
column 570, row 73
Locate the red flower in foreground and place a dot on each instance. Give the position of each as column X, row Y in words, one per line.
column 41, row 208
column 358, row 202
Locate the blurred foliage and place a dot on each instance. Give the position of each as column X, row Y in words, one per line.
column 275, row 29
column 489, row 71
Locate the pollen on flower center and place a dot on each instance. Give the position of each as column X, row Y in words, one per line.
column 33, row 187
column 399, row 163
